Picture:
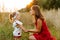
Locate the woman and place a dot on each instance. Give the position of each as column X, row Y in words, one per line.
column 41, row 31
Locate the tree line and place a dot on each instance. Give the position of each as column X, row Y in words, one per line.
column 47, row 4
column 44, row 4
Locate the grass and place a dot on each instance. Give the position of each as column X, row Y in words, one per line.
column 52, row 18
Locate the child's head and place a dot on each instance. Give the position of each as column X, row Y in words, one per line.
column 17, row 15
column 14, row 15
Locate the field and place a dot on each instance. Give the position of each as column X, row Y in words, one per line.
column 52, row 18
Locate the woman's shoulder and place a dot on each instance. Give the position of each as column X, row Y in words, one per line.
column 39, row 21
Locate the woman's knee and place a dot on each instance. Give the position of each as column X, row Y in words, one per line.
column 32, row 38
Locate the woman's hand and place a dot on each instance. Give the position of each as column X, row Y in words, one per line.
column 25, row 30
column 30, row 34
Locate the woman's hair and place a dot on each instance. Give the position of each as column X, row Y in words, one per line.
column 38, row 14
column 11, row 16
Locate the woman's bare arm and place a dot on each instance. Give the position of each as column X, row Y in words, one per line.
column 38, row 28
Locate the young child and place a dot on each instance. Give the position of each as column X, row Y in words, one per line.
column 17, row 25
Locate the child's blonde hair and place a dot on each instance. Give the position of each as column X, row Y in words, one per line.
column 11, row 16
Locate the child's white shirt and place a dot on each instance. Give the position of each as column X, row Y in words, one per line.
column 17, row 31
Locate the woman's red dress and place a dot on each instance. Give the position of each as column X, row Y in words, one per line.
column 44, row 34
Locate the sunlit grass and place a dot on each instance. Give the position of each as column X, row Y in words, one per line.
column 6, row 29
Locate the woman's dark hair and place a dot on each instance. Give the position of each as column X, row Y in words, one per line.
column 38, row 14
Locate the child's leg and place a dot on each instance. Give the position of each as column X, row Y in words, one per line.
column 18, row 39
column 15, row 38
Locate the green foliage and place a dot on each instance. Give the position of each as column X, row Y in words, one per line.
column 47, row 4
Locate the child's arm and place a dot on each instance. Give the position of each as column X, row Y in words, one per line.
column 21, row 26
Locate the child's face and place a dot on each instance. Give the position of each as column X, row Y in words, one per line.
column 18, row 16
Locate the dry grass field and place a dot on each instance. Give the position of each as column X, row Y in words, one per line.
column 52, row 18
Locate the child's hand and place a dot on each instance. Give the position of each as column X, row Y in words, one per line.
column 26, row 30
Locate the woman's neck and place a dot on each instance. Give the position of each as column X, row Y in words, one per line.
column 34, row 19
